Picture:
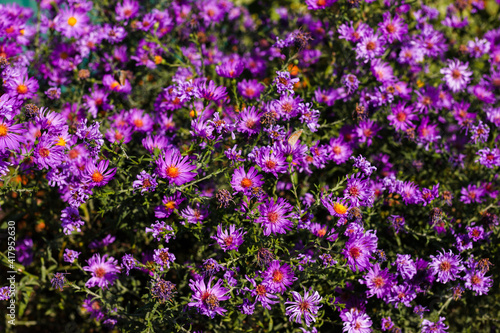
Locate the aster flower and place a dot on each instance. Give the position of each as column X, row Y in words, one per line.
column 261, row 294
column 58, row 281
column 71, row 22
column 175, row 168
column 446, row 266
column 284, row 83
column 405, row 266
column 250, row 89
column 317, row 5
column 366, row 131
column 387, row 324
column 249, row 121
column 162, row 290
column 356, row 191
column 230, row 68
column 126, row 10
column 245, row 181
column 472, row 194
column 306, row 306
column 4, row 293
column 370, row 47
column 488, row 157
column 456, row 75
column 356, row 321
column 196, row 214
column 112, row 84
column 358, row 251
column 210, row 92
column 206, row 298
column 278, row 277
column 401, row 117
column 477, row 281
column 169, row 204
column 10, row 135
column 479, row 132
column 340, row 151
column 21, row 86
column 434, row 327
column 410, row 193
column 163, row 258
column 351, row 82
column 70, row 255
column 161, row 231
column 393, row 28
column 275, row 216
column 47, row 154
column 145, row 182
column 128, row 263
column 379, row 282
column 98, row 175
column 229, row 239
column 271, row 161
column 336, row 206
column 103, row 271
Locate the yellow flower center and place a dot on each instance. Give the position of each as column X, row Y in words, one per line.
column 170, row 205
column 22, row 89
column 3, row 130
column 172, row 172
column 61, row 142
column 97, row 177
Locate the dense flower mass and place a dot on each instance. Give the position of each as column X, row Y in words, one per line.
column 230, row 154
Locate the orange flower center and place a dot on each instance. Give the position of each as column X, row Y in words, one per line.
column 273, row 217
column 277, row 276
column 3, row 129
column 378, row 282
column 22, row 89
column 97, row 177
column 138, row 122
column 270, row 164
column 44, row 152
column 370, row 46
column 115, row 85
column 456, row 74
column 401, row 116
column 172, row 172
column 100, row 272
column 73, row 154
column 261, row 290
column 72, row 21
column 170, row 205
column 355, row 252
column 246, row 183
column 337, row 150
column 445, row 266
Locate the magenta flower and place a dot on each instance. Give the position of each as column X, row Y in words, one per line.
column 393, row 28
column 456, row 75
column 249, row 121
column 356, row 321
column 306, row 306
column 340, row 151
column 478, row 282
column 10, row 135
column 358, row 251
column 370, row 47
column 71, row 22
column 175, row 168
column 250, row 89
column 103, row 271
column 210, row 92
column 271, row 161
column 402, row 116
column 275, row 216
column 169, row 204
column 446, row 266
column 284, row 83
column 229, row 240
column 126, row 11
column 434, row 327
column 21, row 86
column 47, row 154
column 163, row 258
column 112, row 84
column 245, row 181
column 98, row 175
column 278, row 277
column 261, row 294
column 487, row 157
column 378, row 281
column 206, row 298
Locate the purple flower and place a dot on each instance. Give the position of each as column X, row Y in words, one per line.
column 250, row 89
column 340, row 151
column 446, row 266
column 431, row 327
column 378, row 282
column 366, row 131
column 58, row 281
column 479, row 133
column 229, row 240
column 161, row 231
column 70, row 255
column 98, row 175
column 387, row 324
column 128, row 262
column 393, row 28
column 175, row 168
column 284, row 83
column 10, row 135
column 71, row 22
column 402, row 116
column 210, row 92
column 206, row 298
column 245, row 181
column 162, row 290
column 356, row 321
column 103, row 271
column 4, row 293
column 70, row 220
column 275, row 216
column 126, row 11
column 456, row 75
column 249, row 121
column 489, row 157
column 272, row 161
column 370, row 47
column 477, row 282
column 145, row 182
column 406, row 266
column 163, row 258
column 278, row 277
column 358, row 251
column 306, row 306
column 230, row 68
column 21, row 86
column 472, row 194
column 363, row 164
column 351, row 82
